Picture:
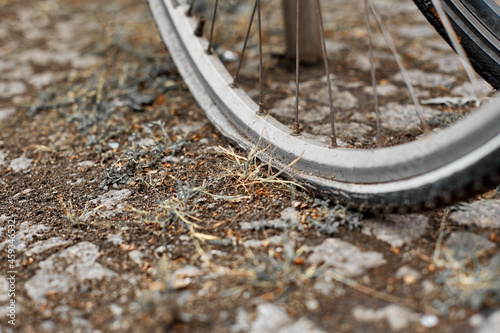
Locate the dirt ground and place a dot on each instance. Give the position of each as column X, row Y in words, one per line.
column 123, row 209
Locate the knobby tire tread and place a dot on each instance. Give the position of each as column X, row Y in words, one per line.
column 474, row 180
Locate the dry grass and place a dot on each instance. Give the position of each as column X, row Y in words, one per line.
column 469, row 272
column 248, row 170
column 72, row 216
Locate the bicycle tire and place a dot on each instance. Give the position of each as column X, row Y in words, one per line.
column 439, row 169
column 476, row 23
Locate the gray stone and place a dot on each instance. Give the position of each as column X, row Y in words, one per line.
column 466, row 246
column 81, row 324
column 19, row 72
column 382, row 90
column 45, row 245
column 6, row 113
column 291, row 215
column 362, row 61
column 4, row 290
column 189, row 127
column 136, row 256
column 427, row 80
column 437, row 44
column 289, row 218
column 285, row 109
column 86, row 164
column 324, row 284
column 397, row 317
column 183, row 277
column 416, row 31
column 467, row 89
column 429, row 320
column 48, row 326
column 42, row 80
column 483, row 213
column 405, row 271
column 9, row 89
column 396, row 7
column 491, row 324
column 343, row 100
column 273, row 319
column 76, row 182
column 396, row 230
column 241, row 324
column 115, row 309
column 84, row 61
column 184, row 238
column 32, row 23
column 403, row 117
column 344, row 258
column 428, row 287
column 62, row 56
column 188, row 270
column 171, row 159
column 5, row 34
column 357, row 130
column 115, row 239
column 145, row 142
column 397, row 117
column 448, row 63
column 312, row 304
column 3, row 155
column 476, row 320
column 25, row 233
column 63, row 270
column 160, row 250
column 335, row 47
column 20, row 163
column 112, row 202
column 252, row 243
column 213, row 150
column 255, row 243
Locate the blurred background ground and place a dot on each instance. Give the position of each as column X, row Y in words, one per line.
column 132, row 213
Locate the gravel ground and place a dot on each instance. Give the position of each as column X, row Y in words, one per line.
column 123, row 209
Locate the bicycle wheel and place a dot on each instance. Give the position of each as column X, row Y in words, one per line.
column 438, row 169
column 477, row 25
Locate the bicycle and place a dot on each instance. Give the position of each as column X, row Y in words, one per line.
column 439, row 169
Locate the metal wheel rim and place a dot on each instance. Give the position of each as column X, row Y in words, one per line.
column 406, row 166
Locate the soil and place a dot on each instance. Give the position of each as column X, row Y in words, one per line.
column 191, row 233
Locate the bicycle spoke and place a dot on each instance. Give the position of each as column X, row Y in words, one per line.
column 209, row 49
column 237, row 75
column 458, row 48
column 325, row 58
column 404, row 73
column 198, row 32
column 372, row 71
column 189, row 12
column 296, row 125
column 261, row 70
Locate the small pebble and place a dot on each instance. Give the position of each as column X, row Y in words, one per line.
column 476, row 320
column 136, row 256
column 20, row 163
column 312, row 304
column 429, row 320
column 160, row 250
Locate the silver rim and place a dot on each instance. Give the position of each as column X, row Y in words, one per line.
column 382, row 170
